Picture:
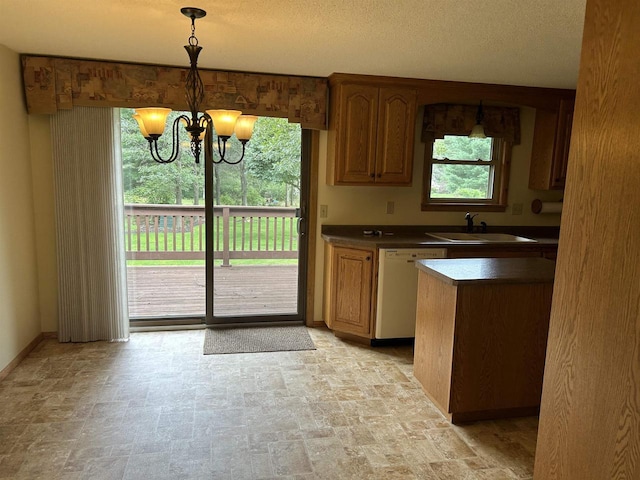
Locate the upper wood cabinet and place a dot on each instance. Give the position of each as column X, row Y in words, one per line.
column 371, row 134
column 550, row 152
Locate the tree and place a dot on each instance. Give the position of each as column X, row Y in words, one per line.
column 461, row 181
column 275, row 154
column 146, row 181
column 268, row 175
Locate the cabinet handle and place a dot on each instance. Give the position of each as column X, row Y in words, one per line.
column 373, row 175
column 368, row 259
column 379, row 175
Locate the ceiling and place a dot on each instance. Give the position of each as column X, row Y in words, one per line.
column 534, row 43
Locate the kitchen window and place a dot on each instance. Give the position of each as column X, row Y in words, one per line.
column 462, row 172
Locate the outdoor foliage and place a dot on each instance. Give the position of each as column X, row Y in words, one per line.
column 275, row 156
column 268, row 175
column 461, row 181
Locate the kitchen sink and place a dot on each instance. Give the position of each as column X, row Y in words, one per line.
column 480, row 237
column 502, row 237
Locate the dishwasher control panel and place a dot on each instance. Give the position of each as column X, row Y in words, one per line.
column 414, row 254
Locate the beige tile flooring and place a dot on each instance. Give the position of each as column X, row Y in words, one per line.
column 156, row 408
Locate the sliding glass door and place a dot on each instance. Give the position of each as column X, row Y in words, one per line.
column 247, row 220
column 258, row 253
column 164, row 230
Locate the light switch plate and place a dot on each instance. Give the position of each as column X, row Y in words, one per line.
column 324, row 211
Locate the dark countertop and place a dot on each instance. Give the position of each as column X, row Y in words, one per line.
column 416, row 236
column 467, row 271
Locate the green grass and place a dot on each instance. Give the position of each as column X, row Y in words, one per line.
column 157, row 242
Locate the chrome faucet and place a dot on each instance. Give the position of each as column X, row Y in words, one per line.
column 469, row 218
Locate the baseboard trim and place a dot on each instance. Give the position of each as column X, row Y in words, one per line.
column 50, row 335
column 317, row 324
column 16, row 361
column 352, row 338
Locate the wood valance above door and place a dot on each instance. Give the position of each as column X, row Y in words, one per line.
column 53, row 84
column 449, row 119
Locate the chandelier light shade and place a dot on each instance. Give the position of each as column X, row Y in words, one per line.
column 224, row 121
column 478, row 129
column 199, row 125
column 244, row 127
column 152, row 120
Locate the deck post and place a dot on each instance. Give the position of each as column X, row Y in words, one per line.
column 225, row 237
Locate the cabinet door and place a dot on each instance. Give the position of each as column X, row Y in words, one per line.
column 562, row 143
column 356, row 134
column 550, row 151
column 396, row 125
column 352, row 274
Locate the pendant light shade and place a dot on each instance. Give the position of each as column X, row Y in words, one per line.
column 478, row 129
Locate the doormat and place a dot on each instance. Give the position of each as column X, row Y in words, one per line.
column 257, row 339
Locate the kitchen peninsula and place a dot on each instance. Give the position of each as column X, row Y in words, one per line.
column 481, row 334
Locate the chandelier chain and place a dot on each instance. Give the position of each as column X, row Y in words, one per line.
column 193, row 40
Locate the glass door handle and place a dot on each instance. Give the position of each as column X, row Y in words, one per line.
column 301, row 231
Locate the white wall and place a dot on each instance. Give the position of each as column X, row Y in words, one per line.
column 19, row 297
column 367, row 205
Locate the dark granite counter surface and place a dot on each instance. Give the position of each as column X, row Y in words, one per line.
column 457, row 271
column 417, row 236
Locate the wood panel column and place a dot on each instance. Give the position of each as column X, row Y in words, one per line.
column 590, row 415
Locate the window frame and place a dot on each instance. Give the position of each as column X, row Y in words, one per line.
column 500, row 167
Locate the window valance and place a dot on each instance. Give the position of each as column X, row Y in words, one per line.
column 448, row 119
column 53, row 84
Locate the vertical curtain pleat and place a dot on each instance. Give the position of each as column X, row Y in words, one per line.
column 92, row 293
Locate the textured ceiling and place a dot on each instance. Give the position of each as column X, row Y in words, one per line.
column 535, row 42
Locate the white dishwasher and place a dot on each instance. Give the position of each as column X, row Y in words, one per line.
column 397, row 291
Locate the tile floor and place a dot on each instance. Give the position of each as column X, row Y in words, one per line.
column 156, row 408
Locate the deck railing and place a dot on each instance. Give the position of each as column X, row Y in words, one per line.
column 168, row 232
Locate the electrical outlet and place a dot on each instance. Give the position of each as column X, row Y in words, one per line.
column 391, row 206
column 516, row 209
column 324, row 211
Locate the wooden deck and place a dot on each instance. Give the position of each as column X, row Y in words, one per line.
column 239, row 290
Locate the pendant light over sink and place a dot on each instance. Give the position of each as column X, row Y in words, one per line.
column 225, row 122
column 478, row 129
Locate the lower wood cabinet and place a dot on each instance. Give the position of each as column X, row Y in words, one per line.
column 350, row 274
column 351, row 279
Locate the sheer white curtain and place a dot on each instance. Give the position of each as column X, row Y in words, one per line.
column 92, row 293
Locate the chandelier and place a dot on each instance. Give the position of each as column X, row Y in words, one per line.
column 225, row 122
